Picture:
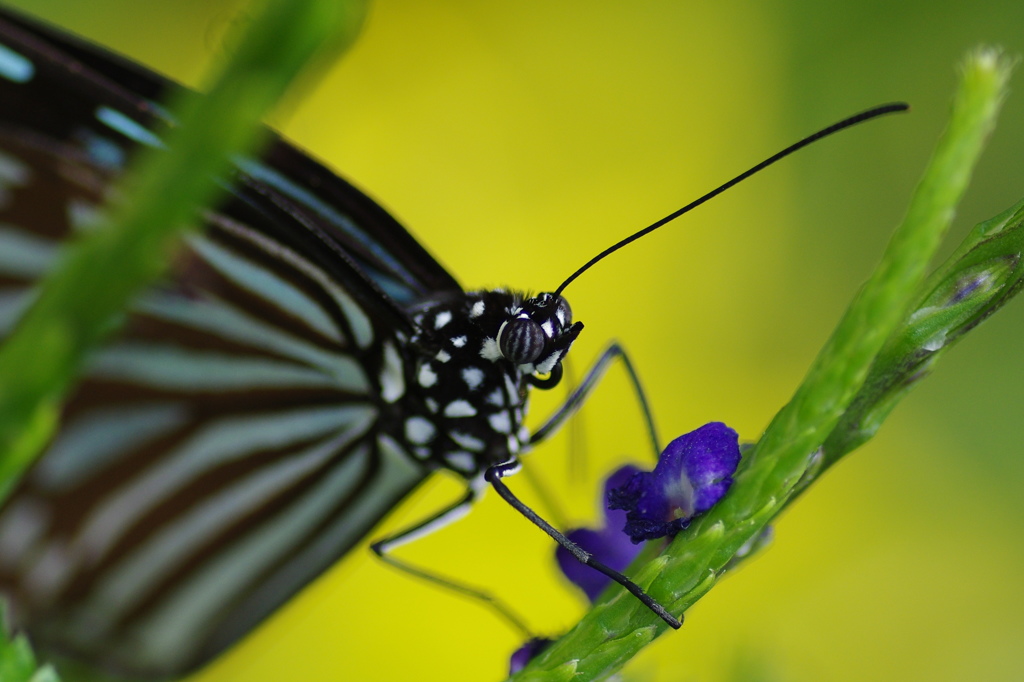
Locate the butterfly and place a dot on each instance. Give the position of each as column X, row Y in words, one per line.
column 305, row 365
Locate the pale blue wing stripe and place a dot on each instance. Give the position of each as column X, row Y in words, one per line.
column 23, row 254
column 13, row 172
column 84, row 216
column 13, row 305
column 174, row 368
column 398, row 473
column 228, row 322
column 177, row 624
column 127, row 126
column 268, row 286
column 15, row 67
column 217, row 444
column 358, row 322
column 129, row 581
column 264, row 173
column 103, row 151
column 25, row 521
column 95, row 439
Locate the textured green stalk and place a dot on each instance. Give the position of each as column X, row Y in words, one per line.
column 81, row 299
column 981, row 277
column 788, row 455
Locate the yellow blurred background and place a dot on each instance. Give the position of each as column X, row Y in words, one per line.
column 518, row 139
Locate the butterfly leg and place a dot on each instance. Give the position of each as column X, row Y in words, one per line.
column 495, row 473
column 582, row 392
column 444, row 517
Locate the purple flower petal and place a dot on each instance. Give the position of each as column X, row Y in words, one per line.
column 694, row 472
column 609, row 544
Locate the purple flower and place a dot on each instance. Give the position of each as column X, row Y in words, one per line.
column 693, row 473
column 527, row 652
column 609, row 544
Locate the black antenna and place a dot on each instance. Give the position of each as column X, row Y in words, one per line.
column 824, row 132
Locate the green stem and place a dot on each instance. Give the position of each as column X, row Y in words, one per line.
column 80, row 301
column 779, row 465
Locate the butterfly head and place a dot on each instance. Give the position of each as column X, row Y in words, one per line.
column 536, row 337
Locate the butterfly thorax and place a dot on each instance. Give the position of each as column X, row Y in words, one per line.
column 474, row 360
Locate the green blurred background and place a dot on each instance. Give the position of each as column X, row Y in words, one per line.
column 518, row 139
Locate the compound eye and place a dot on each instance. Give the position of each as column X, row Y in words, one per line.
column 563, row 312
column 521, row 341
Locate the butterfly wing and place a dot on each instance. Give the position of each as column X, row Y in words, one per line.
column 229, row 444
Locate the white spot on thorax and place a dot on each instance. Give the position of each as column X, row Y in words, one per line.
column 427, row 376
column 443, row 318
column 392, row 378
column 459, row 408
column 470, row 442
column 501, row 421
column 463, row 461
column 419, row 430
column 459, row 341
column 477, row 310
column 511, row 389
column 473, row 376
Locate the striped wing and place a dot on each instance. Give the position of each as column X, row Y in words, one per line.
column 227, row 446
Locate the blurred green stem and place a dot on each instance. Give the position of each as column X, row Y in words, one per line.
column 877, row 348
column 80, row 301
